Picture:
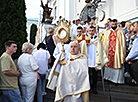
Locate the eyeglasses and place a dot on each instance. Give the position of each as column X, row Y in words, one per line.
column 78, row 31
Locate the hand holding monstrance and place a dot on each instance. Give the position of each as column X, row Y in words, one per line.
column 62, row 32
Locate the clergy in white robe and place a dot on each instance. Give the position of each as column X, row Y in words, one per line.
column 73, row 82
column 54, row 73
column 91, row 53
column 73, row 79
column 73, row 29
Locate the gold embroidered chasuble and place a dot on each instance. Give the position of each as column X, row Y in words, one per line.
column 101, row 57
column 73, row 79
column 114, row 43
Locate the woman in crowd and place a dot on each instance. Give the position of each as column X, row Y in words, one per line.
column 51, row 42
column 130, row 39
column 43, row 58
column 127, row 26
column 127, row 66
column 28, row 67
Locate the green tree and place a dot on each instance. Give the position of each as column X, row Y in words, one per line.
column 12, row 24
column 33, row 33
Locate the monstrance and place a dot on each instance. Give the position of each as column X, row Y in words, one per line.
column 62, row 32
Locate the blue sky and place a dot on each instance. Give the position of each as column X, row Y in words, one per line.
column 33, row 8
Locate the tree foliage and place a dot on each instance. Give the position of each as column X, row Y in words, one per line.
column 33, row 33
column 12, row 24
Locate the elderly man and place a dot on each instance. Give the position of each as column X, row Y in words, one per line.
column 73, row 79
column 73, row 82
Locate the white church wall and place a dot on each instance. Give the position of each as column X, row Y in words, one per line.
column 108, row 11
column 65, row 8
column 80, row 5
column 122, row 10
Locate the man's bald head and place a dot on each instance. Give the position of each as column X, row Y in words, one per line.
column 75, row 48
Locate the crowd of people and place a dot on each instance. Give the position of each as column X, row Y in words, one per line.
column 119, row 41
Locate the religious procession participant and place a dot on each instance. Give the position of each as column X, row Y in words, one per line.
column 83, row 39
column 132, row 57
column 91, row 23
column 79, row 35
column 109, row 20
column 73, row 81
column 91, row 53
column 91, row 46
column 93, row 20
column 88, row 24
column 115, row 47
column 73, row 29
column 106, row 28
column 79, row 31
column 78, row 21
column 82, row 24
column 84, row 30
column 69, row 24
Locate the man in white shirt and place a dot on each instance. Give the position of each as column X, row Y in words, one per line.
column 91, row 53
column 73, row 29
column 82, row 24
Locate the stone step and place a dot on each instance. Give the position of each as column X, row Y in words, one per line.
column 113, row 93
column 123, row 97
column 124, row 89
column 110, row 87
column 127, row 80
column 113, row 97
column 106, row 85
column 100, row 97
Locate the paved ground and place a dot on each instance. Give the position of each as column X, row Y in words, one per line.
column 113, row 93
